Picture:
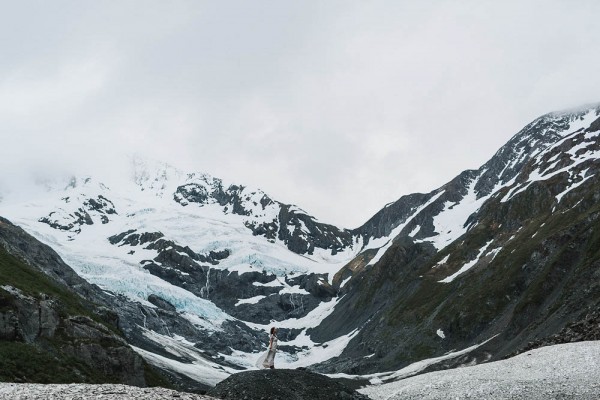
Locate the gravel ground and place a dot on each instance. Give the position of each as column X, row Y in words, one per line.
column 566, row 371
column 22, row 391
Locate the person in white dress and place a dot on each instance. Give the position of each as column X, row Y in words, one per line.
column 267, row 360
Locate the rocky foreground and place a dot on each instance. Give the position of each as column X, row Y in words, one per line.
column 565, row 371
column 249, row 385
column 29, row 391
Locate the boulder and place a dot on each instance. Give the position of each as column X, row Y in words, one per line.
column 283, row 384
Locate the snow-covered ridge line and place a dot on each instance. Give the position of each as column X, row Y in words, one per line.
column 532, row 144
column 277, row 256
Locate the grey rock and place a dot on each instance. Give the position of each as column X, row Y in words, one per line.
column 283, row 384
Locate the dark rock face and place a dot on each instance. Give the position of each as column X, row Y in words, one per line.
column 181, row 266
column 308, row 234
column 382, row 223
column 191, row 193
column 161, row 303
column 26, row 318
column 101, row 349
column 284, row 384
column 100, row 206
column 39, row 311
column 585, row 329
column 170, row 252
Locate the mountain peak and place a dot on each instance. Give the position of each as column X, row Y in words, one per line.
column 582, row 109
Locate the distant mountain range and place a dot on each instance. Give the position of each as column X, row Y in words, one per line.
column 195, row 270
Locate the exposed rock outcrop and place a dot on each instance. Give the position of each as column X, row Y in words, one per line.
column 288, row 384
column 585, row 329
column 40, row 314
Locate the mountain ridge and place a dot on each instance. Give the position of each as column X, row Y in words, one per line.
column 553, row 159
column 227, row 259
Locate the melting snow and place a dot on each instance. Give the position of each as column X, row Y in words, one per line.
column 409, row 370
column 251, row 300
column 345, row 281
column 415, row 230
column 572, row 186
column 442, row 261
column 385, row 243
column 450, row 222
column 468, row 265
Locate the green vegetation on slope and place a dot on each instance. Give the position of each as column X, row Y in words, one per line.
column 22, row 362
column 15, row 273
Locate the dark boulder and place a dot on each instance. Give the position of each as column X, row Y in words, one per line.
column 288, row 384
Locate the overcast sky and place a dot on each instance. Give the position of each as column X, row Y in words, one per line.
column 337, row 106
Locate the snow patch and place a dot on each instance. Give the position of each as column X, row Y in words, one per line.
column 442, row 261
column 415, row 230
column 251, row 300
column 409, row 370
column 450, row 222
column 468, row 265
column 345, row 281
column 385, row 243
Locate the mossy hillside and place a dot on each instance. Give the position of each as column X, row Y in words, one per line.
column 78, row 322
column 52, row 358
column 529, row 287
column 34, row 283
column 154, row 378
column 22, row 362
column 26, row 362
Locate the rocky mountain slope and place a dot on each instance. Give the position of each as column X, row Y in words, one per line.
column 198, row 269
column 44, row 322
column 51, row 311
column 503, row 255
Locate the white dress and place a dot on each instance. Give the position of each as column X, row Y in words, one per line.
column 267, row 360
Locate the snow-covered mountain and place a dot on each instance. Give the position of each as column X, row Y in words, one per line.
column 227, row 258
column 484, row 258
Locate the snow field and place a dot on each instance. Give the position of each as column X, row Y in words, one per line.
column 566, row 371
column 146, row 205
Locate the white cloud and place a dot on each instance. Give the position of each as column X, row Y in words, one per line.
column 339, row 107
